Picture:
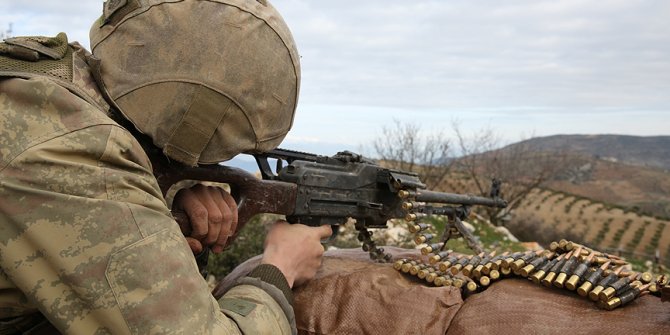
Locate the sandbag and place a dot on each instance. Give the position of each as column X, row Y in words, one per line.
column 517, row 306
column 353, row 295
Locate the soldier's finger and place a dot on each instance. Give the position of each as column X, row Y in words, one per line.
column 189, row 202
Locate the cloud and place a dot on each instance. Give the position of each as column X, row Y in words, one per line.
column 530, row 61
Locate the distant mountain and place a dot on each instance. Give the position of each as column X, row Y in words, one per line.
column 650, row 151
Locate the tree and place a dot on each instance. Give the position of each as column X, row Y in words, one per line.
column 406, row 147
column 518, row 166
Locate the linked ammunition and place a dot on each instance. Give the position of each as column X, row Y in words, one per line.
column 443, row 280
column 566, row 269
column 616, row 287
column 591, row 280
column 432, row 276
column 458, row 266
column 535, row 263
column 414, row 270
column 553, row 272
column 497, row 261
column 578, row 274
column 510, row 259
column 602, row 284
column 484, row 281
column 467, row 269
column 417, row 227
column 431, row 248
column 521, row 261
column 479, row 269
column 439, row 256
column 414, row 216
column 553, row 246
column 457, row 282
column 546, row 267
column 424, row 272
column 407, row 266
column 423, row 238
column 646, row 277
column 494, row 275
column 625, row 297
column 451, row 260
column 397, row 265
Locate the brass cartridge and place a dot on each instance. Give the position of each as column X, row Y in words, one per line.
column 591, row 280
column 553, row 272
column 423, row 238
column 566, row 270
column 579, row 273
column 431, row 248
column 415, row 228
column 542, row 271
column 616, row 287
column 458, row 266
column 604, row 282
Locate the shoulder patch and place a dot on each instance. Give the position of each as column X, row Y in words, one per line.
column 239, row 306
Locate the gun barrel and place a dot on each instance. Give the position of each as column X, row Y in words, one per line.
column 458, row 199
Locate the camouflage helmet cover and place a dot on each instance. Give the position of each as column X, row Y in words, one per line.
column 205, row 79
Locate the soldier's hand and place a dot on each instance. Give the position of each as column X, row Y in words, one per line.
column 212, row 214
column 295, row 249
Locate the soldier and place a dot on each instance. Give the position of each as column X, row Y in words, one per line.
column 87, row 241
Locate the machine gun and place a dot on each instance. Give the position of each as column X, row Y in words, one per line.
column 318, row 190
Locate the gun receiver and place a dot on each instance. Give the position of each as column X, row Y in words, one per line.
column 318, row 190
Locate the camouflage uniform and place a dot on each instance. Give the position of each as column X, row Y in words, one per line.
column 86, row 238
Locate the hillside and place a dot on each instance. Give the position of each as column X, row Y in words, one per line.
column 650, row 151
column 613, row 195
column 548, row 215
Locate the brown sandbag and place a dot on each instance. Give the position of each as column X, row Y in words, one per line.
column 517, row 306
column 353, row 295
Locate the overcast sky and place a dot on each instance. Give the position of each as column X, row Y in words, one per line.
column 523, row 67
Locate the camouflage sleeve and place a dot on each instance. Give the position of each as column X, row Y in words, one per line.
column 86, row 237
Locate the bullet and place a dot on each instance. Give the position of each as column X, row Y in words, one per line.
column 424, row 272
column 494, row 275
column 415, row 228
column 594, row 294
column 458, row 266
column 432, row 276
column 414, row 270
column 397, row 265
column 479, row 269
column 553, row 272
column 404, row 194
column 615, row 288
column 535, row 263
column 591, row 280
column 625, row 297
column 467, row 269
column 578, row 274
column 414, row 216
column 423, row 238
column 496, row 261
column 451, row 260
column 443, row 281
column 439, row 256
column 646, row 277
column 484, row 281
column 566, row 269
column 407, row 266
column 431, row 248
column 542, row 271
column 521, row 261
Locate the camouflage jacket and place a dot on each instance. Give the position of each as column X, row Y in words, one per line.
column 86, row 238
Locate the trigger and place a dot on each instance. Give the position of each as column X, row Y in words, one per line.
column 331, row 238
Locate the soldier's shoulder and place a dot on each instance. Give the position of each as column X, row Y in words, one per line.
column 38, row 109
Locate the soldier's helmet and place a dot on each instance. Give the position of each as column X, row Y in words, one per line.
column 205, row 79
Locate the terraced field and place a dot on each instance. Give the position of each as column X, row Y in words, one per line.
column 547, row 215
